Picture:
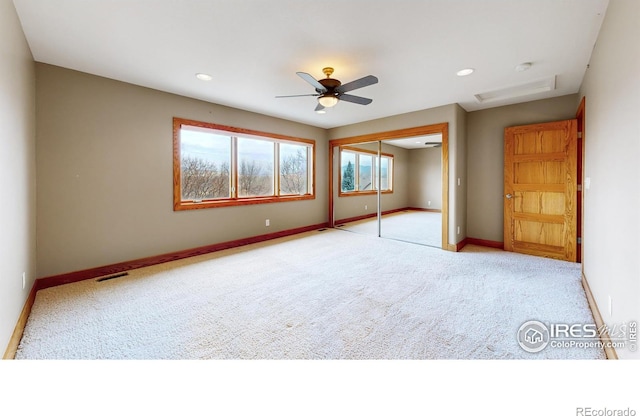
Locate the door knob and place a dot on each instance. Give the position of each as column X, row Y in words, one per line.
column 509, row 196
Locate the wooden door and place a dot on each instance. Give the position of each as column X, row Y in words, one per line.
column 540, row 183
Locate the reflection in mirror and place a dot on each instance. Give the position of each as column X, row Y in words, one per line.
column 419, row 173
column 355, row 188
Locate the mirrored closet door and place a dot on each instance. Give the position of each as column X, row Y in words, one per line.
column 412, row 212
column 390, row 189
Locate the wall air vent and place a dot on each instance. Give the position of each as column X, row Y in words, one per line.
column 113, row 276
column 535, row 87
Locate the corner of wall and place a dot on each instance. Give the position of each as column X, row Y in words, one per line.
column 612, row 150
column 17, row 170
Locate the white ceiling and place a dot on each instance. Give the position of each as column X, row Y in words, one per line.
column 253, row 48
column 416, row 142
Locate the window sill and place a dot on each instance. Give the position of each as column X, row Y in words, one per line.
column 189, row 205
column 362, row 193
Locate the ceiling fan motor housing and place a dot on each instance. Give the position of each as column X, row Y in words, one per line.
column 329, row 83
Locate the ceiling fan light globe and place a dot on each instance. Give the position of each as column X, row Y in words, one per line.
column 327, row 100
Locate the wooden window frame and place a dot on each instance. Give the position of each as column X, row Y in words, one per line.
column 357, row 174
column 181, row 205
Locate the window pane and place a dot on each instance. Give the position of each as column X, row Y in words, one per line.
column 348, row 171
column 364, row 173
column 384, row 174
column 255, row 167
column 204, row 166
column 293, row 169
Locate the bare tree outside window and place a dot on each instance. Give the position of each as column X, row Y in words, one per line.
column 255, row 167
column 254, row 179
column 293, row 173
column 202, row 179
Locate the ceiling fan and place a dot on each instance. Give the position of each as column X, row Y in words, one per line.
column 329, row 91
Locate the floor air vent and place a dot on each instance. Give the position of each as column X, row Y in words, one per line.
column 114, row 276
column 322, row 229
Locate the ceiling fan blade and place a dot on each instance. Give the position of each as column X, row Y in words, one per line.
column 319, row 107
column 355, row 99
column 359, row 83
column 311, row 80
column 299, row 95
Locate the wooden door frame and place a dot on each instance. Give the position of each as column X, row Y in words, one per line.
column 441, row 128
column 580, row 116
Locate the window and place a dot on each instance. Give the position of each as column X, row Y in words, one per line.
column 365, row 175
column 294, row 169
column 359, row 171
column 218, row 165
column 255, row 167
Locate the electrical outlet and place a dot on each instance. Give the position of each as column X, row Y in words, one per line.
column 458, row 230
column 429, row 203
column 365, row 208
column 24, row 280
column 267, row 223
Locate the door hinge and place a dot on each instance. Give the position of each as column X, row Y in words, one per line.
column 579, row 188
column 579, row 240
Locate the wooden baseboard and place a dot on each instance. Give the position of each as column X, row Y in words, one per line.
column 366, row 216
column 460, row 245
column 14, row 341
column 352, row 219
column 424, row 209
column 80, row 275
column 485, row 243
column 597, row 317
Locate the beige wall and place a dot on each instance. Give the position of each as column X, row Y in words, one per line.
column 17, row 169
column 458, row 150
column 104, row 160
column 452, row 114
column 486, row 157
column 425, row 178
column 612, row 154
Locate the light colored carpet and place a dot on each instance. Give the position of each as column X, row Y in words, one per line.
column 421, row 227
column 319, row 295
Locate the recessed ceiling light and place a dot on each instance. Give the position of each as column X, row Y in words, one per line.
column 204, row 77
column 523, row 66
column 465, row 72
column 321, row 111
